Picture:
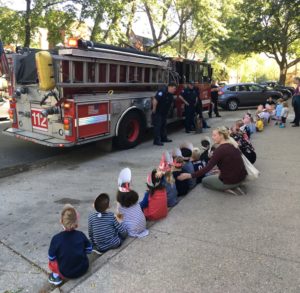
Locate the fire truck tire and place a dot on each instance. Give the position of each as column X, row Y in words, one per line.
column 131, row 130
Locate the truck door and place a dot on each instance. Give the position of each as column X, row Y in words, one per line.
column 93, row 119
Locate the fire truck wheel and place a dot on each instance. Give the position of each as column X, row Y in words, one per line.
column 130, row 131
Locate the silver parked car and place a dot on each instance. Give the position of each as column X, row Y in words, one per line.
column 233, row 96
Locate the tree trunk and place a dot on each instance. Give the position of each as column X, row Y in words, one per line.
column 96, row 27
column 130, row 21
column 27, row 24
column 283, row 72
column 180, row 43
column 180, row 16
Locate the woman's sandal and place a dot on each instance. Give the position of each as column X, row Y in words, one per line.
column 235, row 191
column 240, row 191
column 231, row 191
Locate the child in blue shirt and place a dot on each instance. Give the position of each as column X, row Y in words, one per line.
column 68, row 249
column 182, row 186
column 197, row 163
column 188, row 166
column 104, row 230
column 278, row 110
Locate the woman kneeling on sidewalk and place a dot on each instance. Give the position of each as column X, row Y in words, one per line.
column 229, row 160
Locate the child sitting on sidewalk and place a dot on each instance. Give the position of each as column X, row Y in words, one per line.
column 244, row 145
column 263, row 114
column 167, row 179
column 186, row 150
column 129, row 210
column 104, row 230
column 181, row 186
column 68, row 249
column 205, row 146
column 197, row 162
column 249, row 123
column 154, row 203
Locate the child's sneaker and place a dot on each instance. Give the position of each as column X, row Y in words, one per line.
column 281, row 126
column 54, row 280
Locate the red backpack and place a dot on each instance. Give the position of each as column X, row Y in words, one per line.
column 157, row 207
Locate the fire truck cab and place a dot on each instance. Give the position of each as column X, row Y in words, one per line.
column 87, row 92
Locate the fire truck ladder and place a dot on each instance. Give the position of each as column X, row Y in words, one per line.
column 141, row 70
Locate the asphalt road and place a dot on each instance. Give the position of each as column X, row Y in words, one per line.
column 16, row 152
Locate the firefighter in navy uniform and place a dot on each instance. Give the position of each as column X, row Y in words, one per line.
column 214, row 99
column 189, row 96
column 160, row 108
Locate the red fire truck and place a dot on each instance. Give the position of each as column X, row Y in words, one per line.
column 86, row 92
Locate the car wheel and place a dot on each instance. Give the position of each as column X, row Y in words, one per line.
column 232, row 105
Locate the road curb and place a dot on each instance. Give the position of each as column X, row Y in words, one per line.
column 20, row 168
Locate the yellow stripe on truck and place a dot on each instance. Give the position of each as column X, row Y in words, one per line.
column 45, row 70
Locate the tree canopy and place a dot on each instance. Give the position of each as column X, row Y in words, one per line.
column 224, row 30
column 265, row 26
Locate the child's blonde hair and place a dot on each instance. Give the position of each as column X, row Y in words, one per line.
column 196, row 154
column 239, row 123
column 69, row 217
column 178, row 163
column 285, row 104
column 169, row 177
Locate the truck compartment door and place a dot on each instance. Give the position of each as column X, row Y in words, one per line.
column 93, row 119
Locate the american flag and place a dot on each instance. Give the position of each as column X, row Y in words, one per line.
column 4, row 69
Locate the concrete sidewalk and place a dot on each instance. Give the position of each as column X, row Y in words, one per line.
column 210, row 242
column 213, row 242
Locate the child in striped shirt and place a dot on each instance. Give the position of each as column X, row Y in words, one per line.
column 129, row 210
column 104, row 230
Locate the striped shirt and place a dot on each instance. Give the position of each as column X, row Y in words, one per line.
column 134, row 220
column 104, row 230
